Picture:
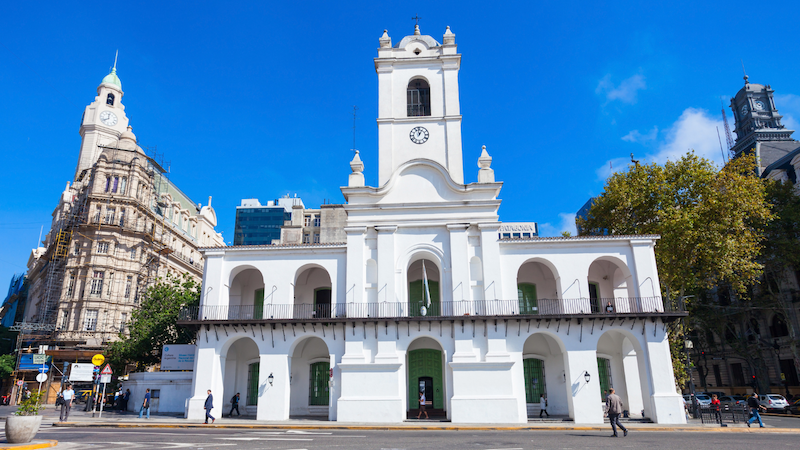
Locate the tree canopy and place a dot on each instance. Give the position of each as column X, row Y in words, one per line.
column 153, row 325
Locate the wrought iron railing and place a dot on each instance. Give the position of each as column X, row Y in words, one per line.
column 390, row 310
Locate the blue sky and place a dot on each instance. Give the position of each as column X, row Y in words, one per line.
column 255, row 99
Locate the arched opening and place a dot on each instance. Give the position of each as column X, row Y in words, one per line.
column 418, row 98
column 621, row 366
column 110, row 100
column 610, row 282
column 310, row 378
column 241, row 370
column 313, row 296
column 425, row 374
column 778, row 327
column 424, row 288
column 537, row 289
column 246, row 295
column 544, row 376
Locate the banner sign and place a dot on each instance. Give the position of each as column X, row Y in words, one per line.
column 177, row 357
column 81, row 372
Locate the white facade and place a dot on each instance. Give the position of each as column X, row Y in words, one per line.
column 348, row 330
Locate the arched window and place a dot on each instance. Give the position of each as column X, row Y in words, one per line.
column 110, row 99
column 419, row 98
column 778, row 328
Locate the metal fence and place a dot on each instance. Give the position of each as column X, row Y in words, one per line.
column 724, row 414
column 463, row 308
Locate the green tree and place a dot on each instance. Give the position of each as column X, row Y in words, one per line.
column 7, row 364
column 711, row 224
column 154, row 324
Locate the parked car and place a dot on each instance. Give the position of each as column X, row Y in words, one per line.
column 773, row 402
column 733, row 400
column 703, row 399
column 794, row 408
column 719, row 394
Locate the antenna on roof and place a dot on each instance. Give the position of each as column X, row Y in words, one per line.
column 744, row 72
column 355, row 108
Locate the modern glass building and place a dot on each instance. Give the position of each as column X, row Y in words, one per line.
column 258, row 224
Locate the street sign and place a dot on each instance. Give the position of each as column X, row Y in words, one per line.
column 20, row 382
column 39, row 358
column 106, row 370
column 105, row 379
column 41, row 378
column 98, row 359
column 81, row 372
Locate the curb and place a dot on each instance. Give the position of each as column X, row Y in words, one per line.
column 29, row 446
column 423, row 428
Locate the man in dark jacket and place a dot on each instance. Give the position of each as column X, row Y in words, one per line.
column 752, row 402
column 614, row 404
column 209, row 406
column 235, row 405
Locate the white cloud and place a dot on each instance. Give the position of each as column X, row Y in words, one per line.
column 567, row 223
column 636, row 136
column 789, row 107
column 626, row 90
column 694, row 130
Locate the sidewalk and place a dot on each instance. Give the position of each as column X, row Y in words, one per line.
column 79, row 418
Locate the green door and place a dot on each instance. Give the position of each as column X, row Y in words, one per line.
column 318, row 385
column 258, row 304
column 252, row 384
column 526, row 293
column 417, row 298
column 426, row 364
column 604, row 372
column 534, row 379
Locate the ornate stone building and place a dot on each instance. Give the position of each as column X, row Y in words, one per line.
column 118, row 225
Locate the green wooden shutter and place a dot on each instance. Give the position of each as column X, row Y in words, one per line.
column 534, row 379
column 318, row 385
column 604, row 372
column 258, row 304
column 425, row 363
column 526, row 293
column 252, row 384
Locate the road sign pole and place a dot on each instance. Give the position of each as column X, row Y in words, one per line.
column 102, row 401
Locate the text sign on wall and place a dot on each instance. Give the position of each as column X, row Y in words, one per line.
column 177, row 357
column 81, row 372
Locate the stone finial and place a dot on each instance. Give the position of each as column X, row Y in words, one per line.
column 449, row 37
column 357, row 177
column 385, row 40
column 127, row 139
column 485, row 174
column 416, row 30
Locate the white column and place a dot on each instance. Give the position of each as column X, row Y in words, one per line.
column 354, row 286
column 490, row 247
column 666, row 405
column 585, row 401
column 208, row 369
column 273, row 399
column 386, row 262
column 459, row 262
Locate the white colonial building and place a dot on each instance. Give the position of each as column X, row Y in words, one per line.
column 347, row 330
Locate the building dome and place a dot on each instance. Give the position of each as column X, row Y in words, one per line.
column 112, row 78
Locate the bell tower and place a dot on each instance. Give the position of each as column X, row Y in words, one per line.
column 419, row 116
column 103, row 121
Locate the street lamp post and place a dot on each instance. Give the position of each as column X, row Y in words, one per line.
column 688, row 344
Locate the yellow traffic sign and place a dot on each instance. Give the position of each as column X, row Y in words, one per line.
column 98, row 359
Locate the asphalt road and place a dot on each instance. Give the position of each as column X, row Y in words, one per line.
column 207, row 439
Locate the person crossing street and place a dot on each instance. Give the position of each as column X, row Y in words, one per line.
column 614, row 404
column 209, row 406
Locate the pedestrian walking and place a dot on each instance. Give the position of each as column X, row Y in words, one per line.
column 235, row 405
column 715, row 404
column 422, row 401
column 614, row 404
column 752, row 402
column 209, row 406
column 66, row 395
column 125, row 399
column 145, row 404
column 543, row 406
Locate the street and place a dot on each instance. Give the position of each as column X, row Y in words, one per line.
column 175, row 438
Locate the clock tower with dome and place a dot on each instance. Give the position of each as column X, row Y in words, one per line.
column 758, row 125
column 103, row 121
column 419, row 116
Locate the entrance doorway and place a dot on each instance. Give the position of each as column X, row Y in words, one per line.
column 425, row 375
column 322, row 302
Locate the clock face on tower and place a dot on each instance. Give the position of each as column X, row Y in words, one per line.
column 759, row 105
column 108, row 118
column 744, row 109
column 419, row 135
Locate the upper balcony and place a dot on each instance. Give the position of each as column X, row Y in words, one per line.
column 633, row 307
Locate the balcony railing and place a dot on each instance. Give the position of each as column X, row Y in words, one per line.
column 393, row 310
